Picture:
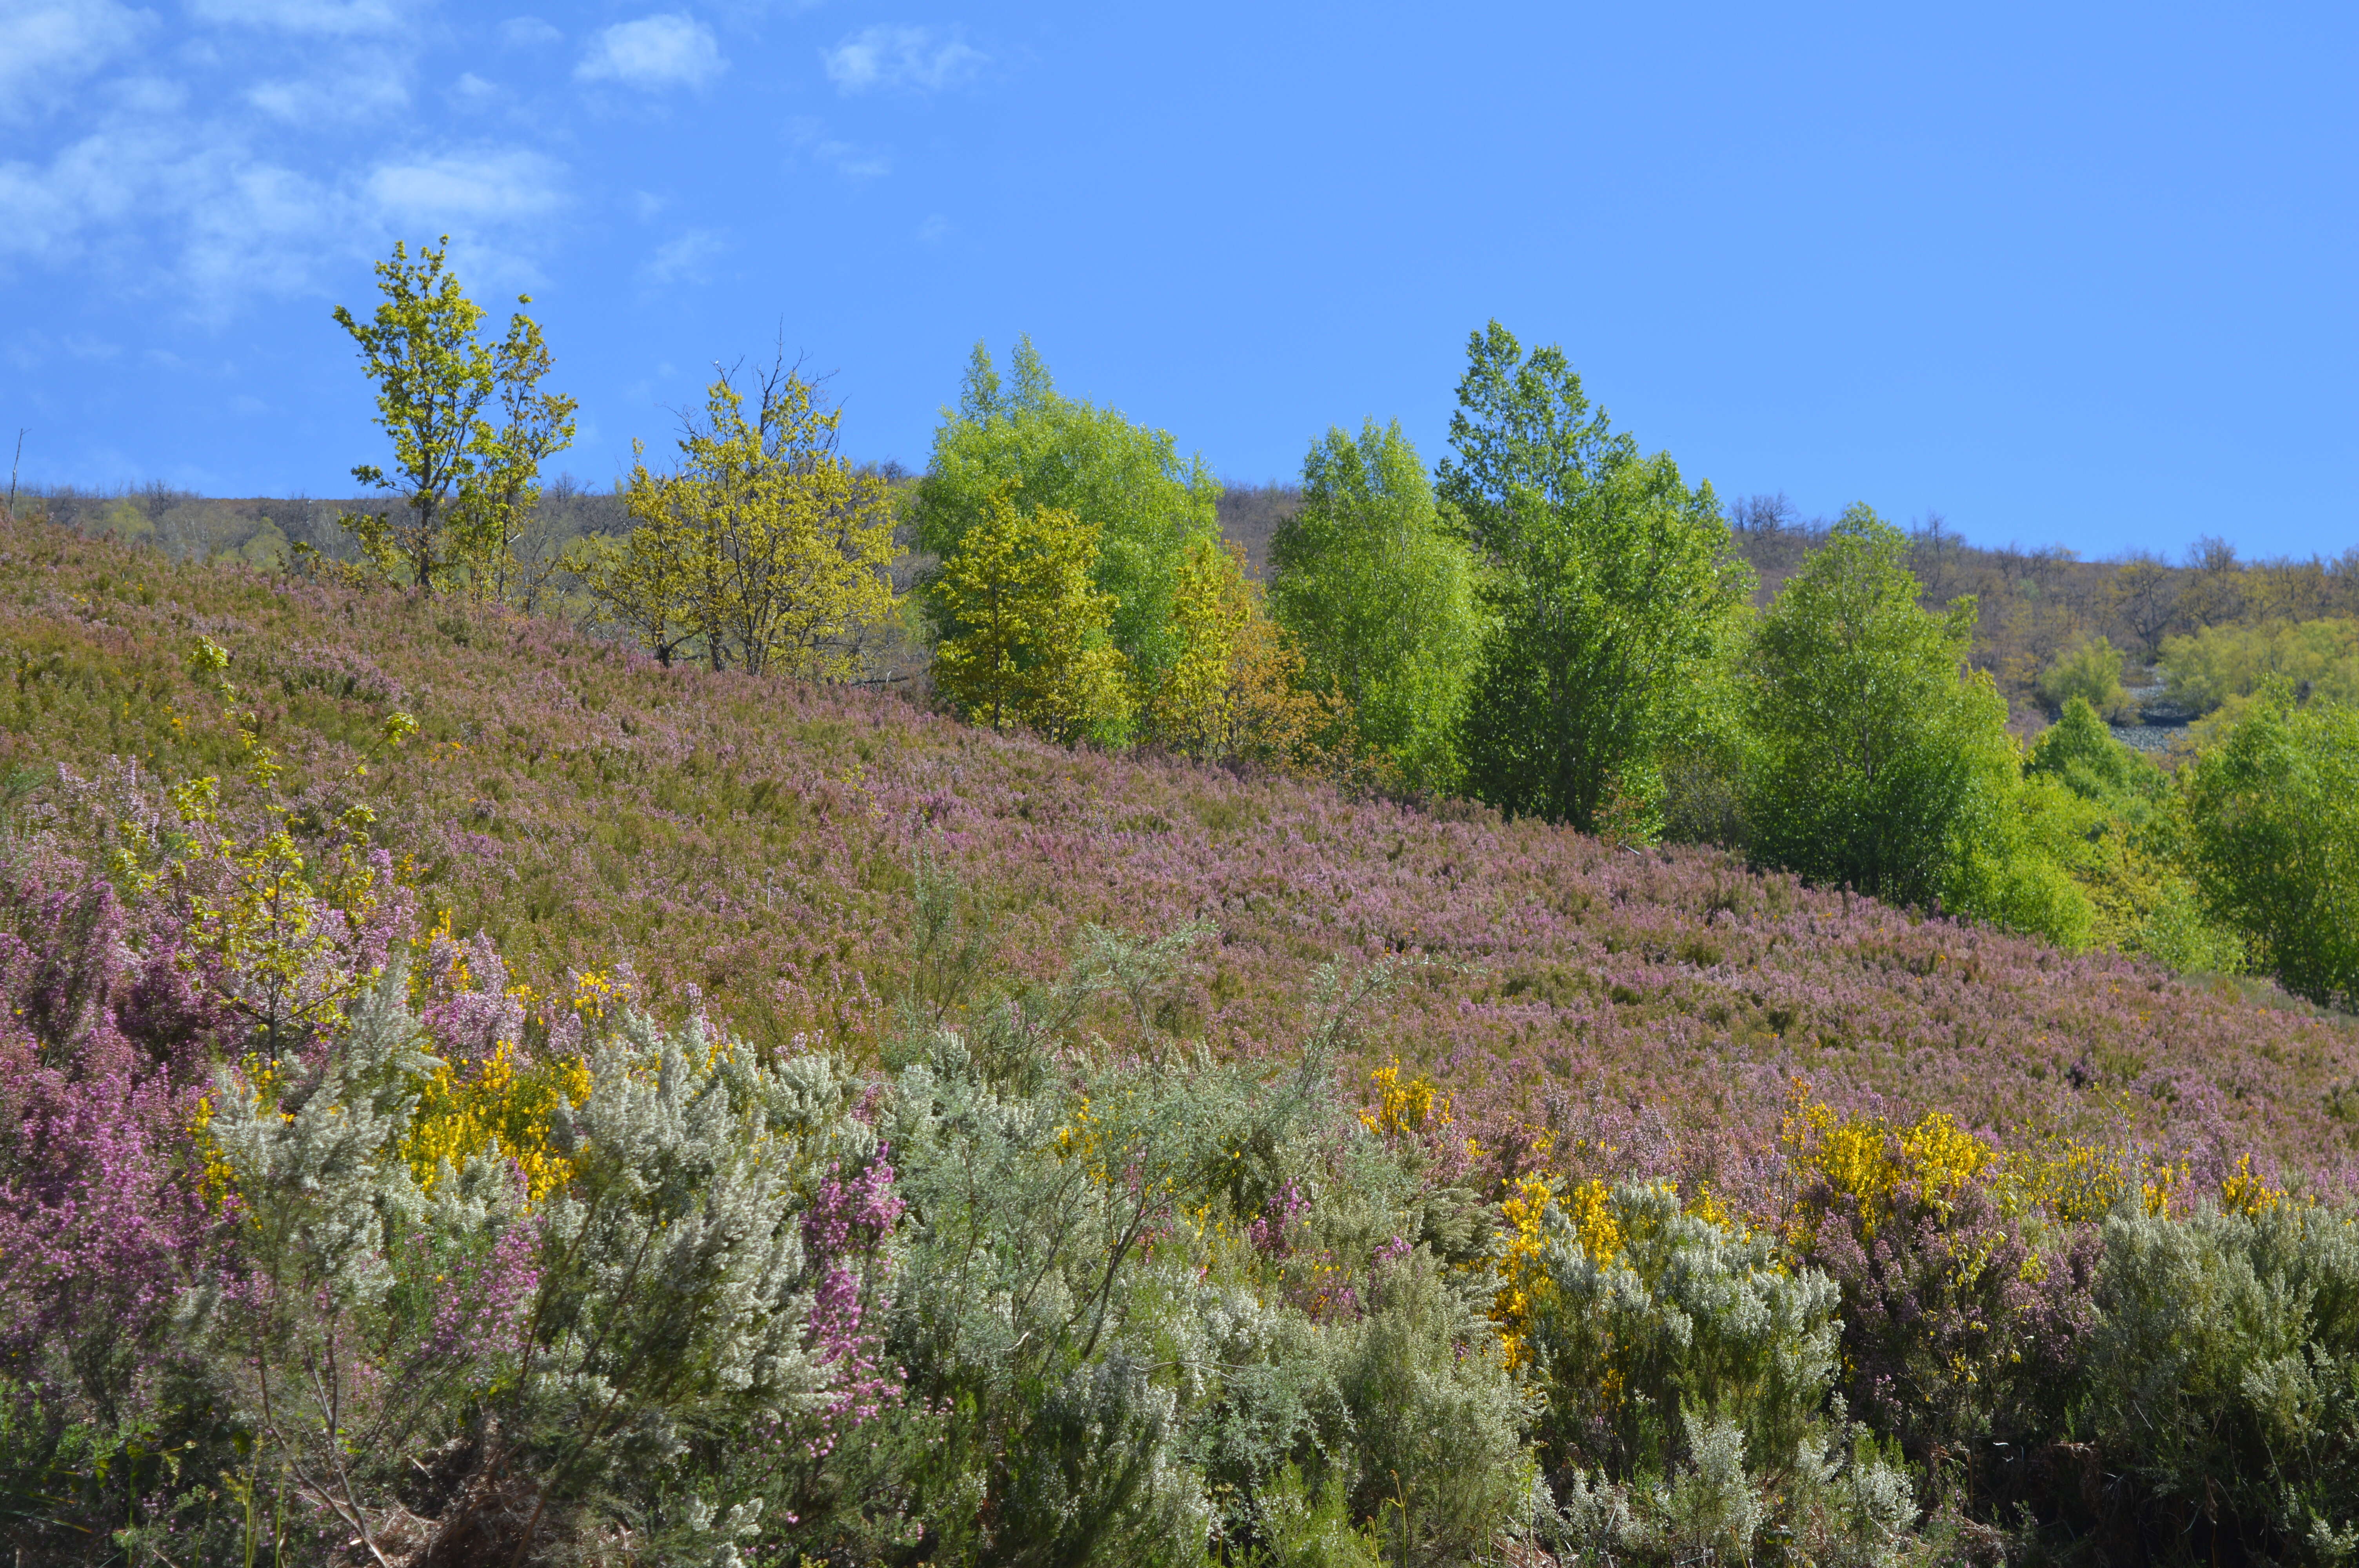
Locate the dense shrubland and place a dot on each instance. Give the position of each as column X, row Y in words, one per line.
column 330, row 1241
column 1398, row 1188
column 487, row 1090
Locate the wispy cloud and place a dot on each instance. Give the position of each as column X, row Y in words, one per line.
column 468, row 189
column 47, row 49
column 359, row 85
column 155, row 201
column 922, row 59
column 663, row 51
column 528, row 32
column 329, row 18
column 683, row 260
column 471, row 91
column 854, row 162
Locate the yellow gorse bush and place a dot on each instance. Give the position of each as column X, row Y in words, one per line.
column 2069, row 1181
column 498, row 1109
column 1404, row 1107
column 1868, row 1159
column 2245, row 1193
column 1586, row 1206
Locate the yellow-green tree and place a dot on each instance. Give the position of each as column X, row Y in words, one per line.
column 535, row 426
column 765, row 550
column 467, row 486
column 1026, row 633
column 1233, row 687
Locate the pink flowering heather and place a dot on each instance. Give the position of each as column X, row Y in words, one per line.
column 484, row 1305
column 101, row 1206
column 844, row 1232
column 1622, row 1010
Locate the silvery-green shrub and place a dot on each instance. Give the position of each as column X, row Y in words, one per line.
column 1688, row 1316
column 1437, row 1422
column 1688, row 1380
column 2223, row 1375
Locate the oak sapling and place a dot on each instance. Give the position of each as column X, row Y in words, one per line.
column 433, row 380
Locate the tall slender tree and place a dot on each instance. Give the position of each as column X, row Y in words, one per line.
column 434, row 379
column 1612, row 585
column 1379, row 595
column 534, row 426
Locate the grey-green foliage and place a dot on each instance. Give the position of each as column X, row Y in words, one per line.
column 1308, row 1526
column 325, row 1193
column 1688, row 1316
column 1125, row 1377
column 1378, row 595
column 2224, row 1376
column 671, row 1293
column 1688, row 1380
column 1437, row 1422
column 1029, row 1297
column 671, row 1300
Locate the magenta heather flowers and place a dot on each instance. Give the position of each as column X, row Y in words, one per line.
column 844, row 1235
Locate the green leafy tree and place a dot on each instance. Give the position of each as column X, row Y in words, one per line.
column 1379, row 596
column 1030, row 645
column 2120, row 833
column 433, row 380
column 1128, row 483
column 1875, row 762
column 534, row 426
column 1613, row 586
column 2092, row 672
column 2272, row 814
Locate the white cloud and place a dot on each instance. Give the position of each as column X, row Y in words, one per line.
column 163, row 203
column 528, row 32
column 471, row 91
column 852, row 162
column 468, row 189
column 360, row 86
column 683, row 260
column 934, row 229
column 663, row 51
column 919, row 58
column 46, row 48
column 333, row 19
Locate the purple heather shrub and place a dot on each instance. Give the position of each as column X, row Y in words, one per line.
column 845, row 1231
column 1267, row 1232
column 1958, row 1323
column 101, row 1206
column 485, row 1308
column 470, row 1008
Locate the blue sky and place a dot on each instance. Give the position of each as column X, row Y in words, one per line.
column 2063, row 273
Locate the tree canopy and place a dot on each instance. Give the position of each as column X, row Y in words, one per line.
column 1612, row 586
column 1148, row 506
column 1378, row 593
column 763, row 549
column 1032, row 649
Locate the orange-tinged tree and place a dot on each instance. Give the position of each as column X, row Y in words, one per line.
column 1235, row 687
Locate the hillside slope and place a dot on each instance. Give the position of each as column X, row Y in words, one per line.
column 754, row 840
